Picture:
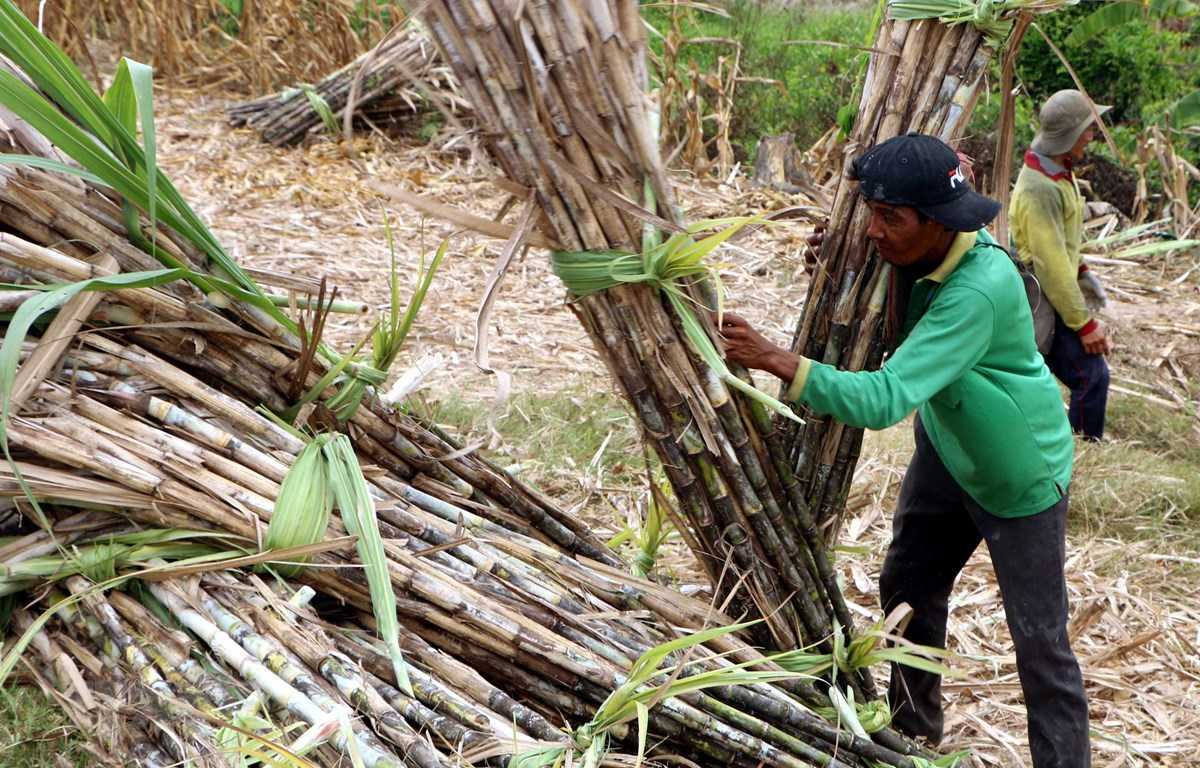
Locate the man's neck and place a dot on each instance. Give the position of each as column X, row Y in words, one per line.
column 1060, row 162
column 934, row 257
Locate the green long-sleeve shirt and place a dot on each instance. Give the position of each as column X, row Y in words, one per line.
column 985, row 396
column 1046, row 216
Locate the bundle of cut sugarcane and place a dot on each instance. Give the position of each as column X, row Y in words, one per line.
column 559, row 90
column 925, row 75
column 123, row 429
column 479, row 591
column 394, row 81
column 485, row 680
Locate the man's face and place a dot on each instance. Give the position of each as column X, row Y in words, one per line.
column 901, row 236
column 1081, row 144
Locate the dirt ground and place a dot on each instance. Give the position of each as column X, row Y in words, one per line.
column 1136, row 625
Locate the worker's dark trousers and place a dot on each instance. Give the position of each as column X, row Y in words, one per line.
column 1085, row 375
column 935, row 530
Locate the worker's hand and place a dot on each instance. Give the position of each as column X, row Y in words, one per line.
column 815, row 241
column 746, row 346
column 1094, row 295
column 1096, row 342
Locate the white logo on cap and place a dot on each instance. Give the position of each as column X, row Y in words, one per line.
column 956, row 176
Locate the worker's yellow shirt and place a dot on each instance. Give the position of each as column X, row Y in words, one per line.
column 1046, row 218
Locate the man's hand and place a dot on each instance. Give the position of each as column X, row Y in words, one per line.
column 1094, row 295
column 746, row 346
column 814, row 240
column 1096, row 342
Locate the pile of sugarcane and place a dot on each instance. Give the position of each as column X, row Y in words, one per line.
column 161, row 423
column 925, row 74
column 394, row 81
column 560, row 92
column 149, row 421
column 183, row 659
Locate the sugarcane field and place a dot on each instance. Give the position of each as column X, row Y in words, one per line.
column 557, row 384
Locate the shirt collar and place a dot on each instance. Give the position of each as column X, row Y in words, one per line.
column 962, row 243
column 1048, row 166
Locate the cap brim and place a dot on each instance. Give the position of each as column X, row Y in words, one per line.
column 969, row 213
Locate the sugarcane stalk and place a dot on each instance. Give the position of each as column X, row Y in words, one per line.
column 172, row 650
column 57, row 659
column 461, row 680
column 377, row 699
column 131, row 652
column 263, row 678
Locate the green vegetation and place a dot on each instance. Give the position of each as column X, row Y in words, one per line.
column 813, row 80
column 34, row 732
column 1139, row 67
column 1146, row 66
column 1142, row 67
column 1143, row 483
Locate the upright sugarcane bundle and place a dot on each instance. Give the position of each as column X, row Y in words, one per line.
column 159, row 422
column 393, row 81
column 925, row 74
column 559, row 89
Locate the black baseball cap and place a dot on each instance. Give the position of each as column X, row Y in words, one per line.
column 923, row 172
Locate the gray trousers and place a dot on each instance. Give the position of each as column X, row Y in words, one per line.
column 936, row 528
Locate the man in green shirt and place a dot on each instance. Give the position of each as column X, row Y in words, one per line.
column 993, row 446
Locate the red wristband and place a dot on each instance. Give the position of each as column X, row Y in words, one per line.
column 1088, row 327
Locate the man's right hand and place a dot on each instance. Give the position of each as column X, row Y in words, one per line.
column 1096, row 342
column 814, row 240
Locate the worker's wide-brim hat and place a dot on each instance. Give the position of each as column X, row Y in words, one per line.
column 1063, row 119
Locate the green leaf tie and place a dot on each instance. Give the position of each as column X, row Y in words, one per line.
column 664, row 267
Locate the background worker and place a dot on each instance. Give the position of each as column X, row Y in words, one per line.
column 1046, row 217
column 993, row 448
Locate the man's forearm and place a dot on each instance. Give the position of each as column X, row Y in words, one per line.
column 783, row 364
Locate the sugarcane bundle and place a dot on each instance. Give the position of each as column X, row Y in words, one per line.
column 172, row 423
column 559, row 90
column 131, row 433
column 120, row 428
column 925, row 74
column 393, row 81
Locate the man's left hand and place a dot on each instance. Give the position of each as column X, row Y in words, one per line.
column 746, row 346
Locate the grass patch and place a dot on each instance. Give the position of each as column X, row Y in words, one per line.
column 558, row 440
column 34, row 732
column 1143, row 484
column 1170, row 434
